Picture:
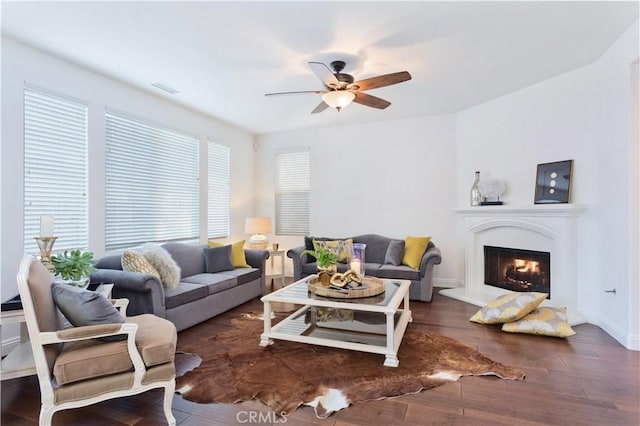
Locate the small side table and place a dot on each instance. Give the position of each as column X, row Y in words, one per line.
column 19, row 361
column 280, row 273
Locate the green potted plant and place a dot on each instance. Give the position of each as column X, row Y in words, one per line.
column 326, row 261
column 74, row 267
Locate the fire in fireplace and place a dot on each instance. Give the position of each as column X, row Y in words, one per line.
column 517, row 270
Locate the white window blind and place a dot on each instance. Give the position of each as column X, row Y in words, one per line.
column 218, row 163
column 55, row 169
column 292, row 193
column 151, row 183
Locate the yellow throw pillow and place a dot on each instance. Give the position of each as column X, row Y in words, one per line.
column 543, row 321
column 133, row 261
column 340, row 247
column 238, row 258
column 508, row 307
column 414, row 248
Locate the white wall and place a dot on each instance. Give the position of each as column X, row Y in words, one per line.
column 616, row 190
column 634, row 197
column 419, row 169
column 392, row 178
column 582, row 115
column 22, row 64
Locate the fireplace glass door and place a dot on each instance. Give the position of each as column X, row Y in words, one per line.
column 517, row 269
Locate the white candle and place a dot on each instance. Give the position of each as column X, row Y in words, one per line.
column 46, row 226
column 355, row 265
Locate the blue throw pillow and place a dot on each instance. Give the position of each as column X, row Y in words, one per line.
column 218, row 259
column 83, row 307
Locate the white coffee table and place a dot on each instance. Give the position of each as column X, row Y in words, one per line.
column 371, row 324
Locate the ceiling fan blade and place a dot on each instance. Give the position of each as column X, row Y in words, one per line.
column 371, row 101
column 324, row 73
column 382, row 80
column 321, row 107
column 295, row 93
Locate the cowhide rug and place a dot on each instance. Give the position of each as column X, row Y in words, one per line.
column 286, row 375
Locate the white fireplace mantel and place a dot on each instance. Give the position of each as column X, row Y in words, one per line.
column 538, row 210
column 541, row 227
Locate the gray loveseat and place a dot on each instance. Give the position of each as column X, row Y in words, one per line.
column 375, row 255
column 199, row 296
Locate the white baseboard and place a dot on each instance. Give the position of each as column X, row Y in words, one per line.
column 628, row 340
column 447, row 282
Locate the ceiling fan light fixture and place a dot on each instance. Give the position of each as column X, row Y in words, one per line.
column 338, row 99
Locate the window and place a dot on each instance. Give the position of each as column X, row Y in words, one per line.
column 218, row 190
column 55, row 169
column 151, row 183
column 292, row 193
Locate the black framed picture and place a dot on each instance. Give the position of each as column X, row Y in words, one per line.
column 553, row 182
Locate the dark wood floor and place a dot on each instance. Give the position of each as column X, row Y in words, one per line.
column 588, row 379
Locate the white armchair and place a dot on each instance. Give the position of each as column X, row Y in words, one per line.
column 68, row 373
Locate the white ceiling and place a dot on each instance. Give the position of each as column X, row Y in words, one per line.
column 224, row 56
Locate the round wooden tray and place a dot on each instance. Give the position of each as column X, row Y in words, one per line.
column 374, row 287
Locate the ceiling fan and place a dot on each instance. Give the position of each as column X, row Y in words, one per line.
column 340, row 88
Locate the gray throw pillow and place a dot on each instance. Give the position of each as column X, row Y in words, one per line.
column 218, row 259
column 84, row 307
column 395, row 252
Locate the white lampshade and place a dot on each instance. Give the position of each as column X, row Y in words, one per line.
column 258, row 226
column 338, row 99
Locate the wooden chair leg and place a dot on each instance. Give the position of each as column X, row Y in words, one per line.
column 169, row 390
column 46, row 415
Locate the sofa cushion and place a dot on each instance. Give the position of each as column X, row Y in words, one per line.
column 238, row 257
column 371, row 269
column 395, row 253
column 215, row 283
column 308, row 244
column 376, row 249
column 113, row 261
column 308, row 241
column 244, row 275
column 401, row 272
column 189, row 257
column 218, row 259
column 84, row 307
column 133, row 261
column 160, row 258
column 186, row 292
column 414, row 249
column 155, row 339
column 341, row 248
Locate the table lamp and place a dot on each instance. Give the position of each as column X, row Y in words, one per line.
column 258, row 226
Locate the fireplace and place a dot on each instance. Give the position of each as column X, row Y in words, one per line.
column 517, row 269
column 544, row 228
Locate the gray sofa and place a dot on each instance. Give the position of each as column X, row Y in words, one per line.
column 199, row 296
column 375, row 254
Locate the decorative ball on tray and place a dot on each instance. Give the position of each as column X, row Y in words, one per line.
column 491, row 190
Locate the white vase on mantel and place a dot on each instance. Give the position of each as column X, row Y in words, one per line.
column 475, row 191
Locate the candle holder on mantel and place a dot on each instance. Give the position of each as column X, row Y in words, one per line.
column 45, row 244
